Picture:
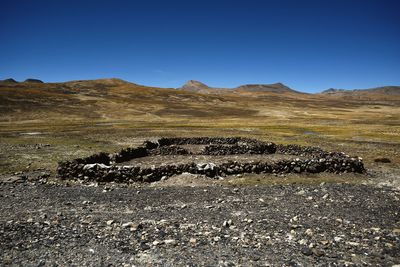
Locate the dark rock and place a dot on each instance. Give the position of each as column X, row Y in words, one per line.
column 299, row 150
column 252, row 148
column 144, row 246
column 306, row 251
column 317, row 252
column 130, row 153
column 382, row 160
column 169, row 150
column 297, row 169
column 150, row 145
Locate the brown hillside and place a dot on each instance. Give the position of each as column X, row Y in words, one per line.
column 115, row 99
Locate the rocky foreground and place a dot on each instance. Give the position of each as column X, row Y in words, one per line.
column 319, row 225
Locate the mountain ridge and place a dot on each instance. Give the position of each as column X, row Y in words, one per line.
column 388, row 90
column 195, row 86
column 115, row 99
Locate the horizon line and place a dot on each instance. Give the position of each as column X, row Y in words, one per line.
column 212, row 87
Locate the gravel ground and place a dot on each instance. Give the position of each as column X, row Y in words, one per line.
column 112, row 225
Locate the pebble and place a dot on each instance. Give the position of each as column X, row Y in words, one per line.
column 351, row 243
column 127, row 224
column 318, row 252
column 170, row 242
column 337, row 239
column 227, row 223
column 216, row 238
column 306, row 251
column 301, row 192
column 156, row 242
column 302, row 241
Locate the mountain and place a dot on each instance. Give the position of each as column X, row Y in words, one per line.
column 332, row 91
column 10, row 80
column 113, row 99
column 195, row 86
column 199, row 87
column 33, row 81
column 262, row 88
column 384, row 90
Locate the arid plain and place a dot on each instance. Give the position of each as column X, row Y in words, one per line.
column 43, row 123
column 280, row 219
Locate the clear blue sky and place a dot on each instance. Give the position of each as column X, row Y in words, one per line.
column 308, row 45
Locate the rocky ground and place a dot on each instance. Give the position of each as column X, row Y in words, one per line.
column 44, row 224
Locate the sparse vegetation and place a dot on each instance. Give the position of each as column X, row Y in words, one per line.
column 82, row 117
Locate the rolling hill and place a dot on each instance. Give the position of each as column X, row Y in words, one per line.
column 116, row 99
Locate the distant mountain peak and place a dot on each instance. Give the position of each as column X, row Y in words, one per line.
column 279, row 84
column 332, row 91
column 195, row 86
column 9, row 80
column 383, row 90
column 195, row 83
column 273, row 88
column 33, row 81
column 101, row 82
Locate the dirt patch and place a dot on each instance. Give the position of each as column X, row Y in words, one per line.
column 160, row 160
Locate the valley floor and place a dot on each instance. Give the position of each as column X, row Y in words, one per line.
column 250, row 220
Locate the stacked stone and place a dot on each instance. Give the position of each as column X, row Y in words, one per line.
column 169, row 150
column 299, row 150
column 104, row 173
column 129, row 154
column 99, row 167
column 203, row 141
column 258, row 148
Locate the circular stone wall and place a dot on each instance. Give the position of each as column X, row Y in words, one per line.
column 105, row 167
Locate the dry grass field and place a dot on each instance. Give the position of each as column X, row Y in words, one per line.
column 41, row 124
